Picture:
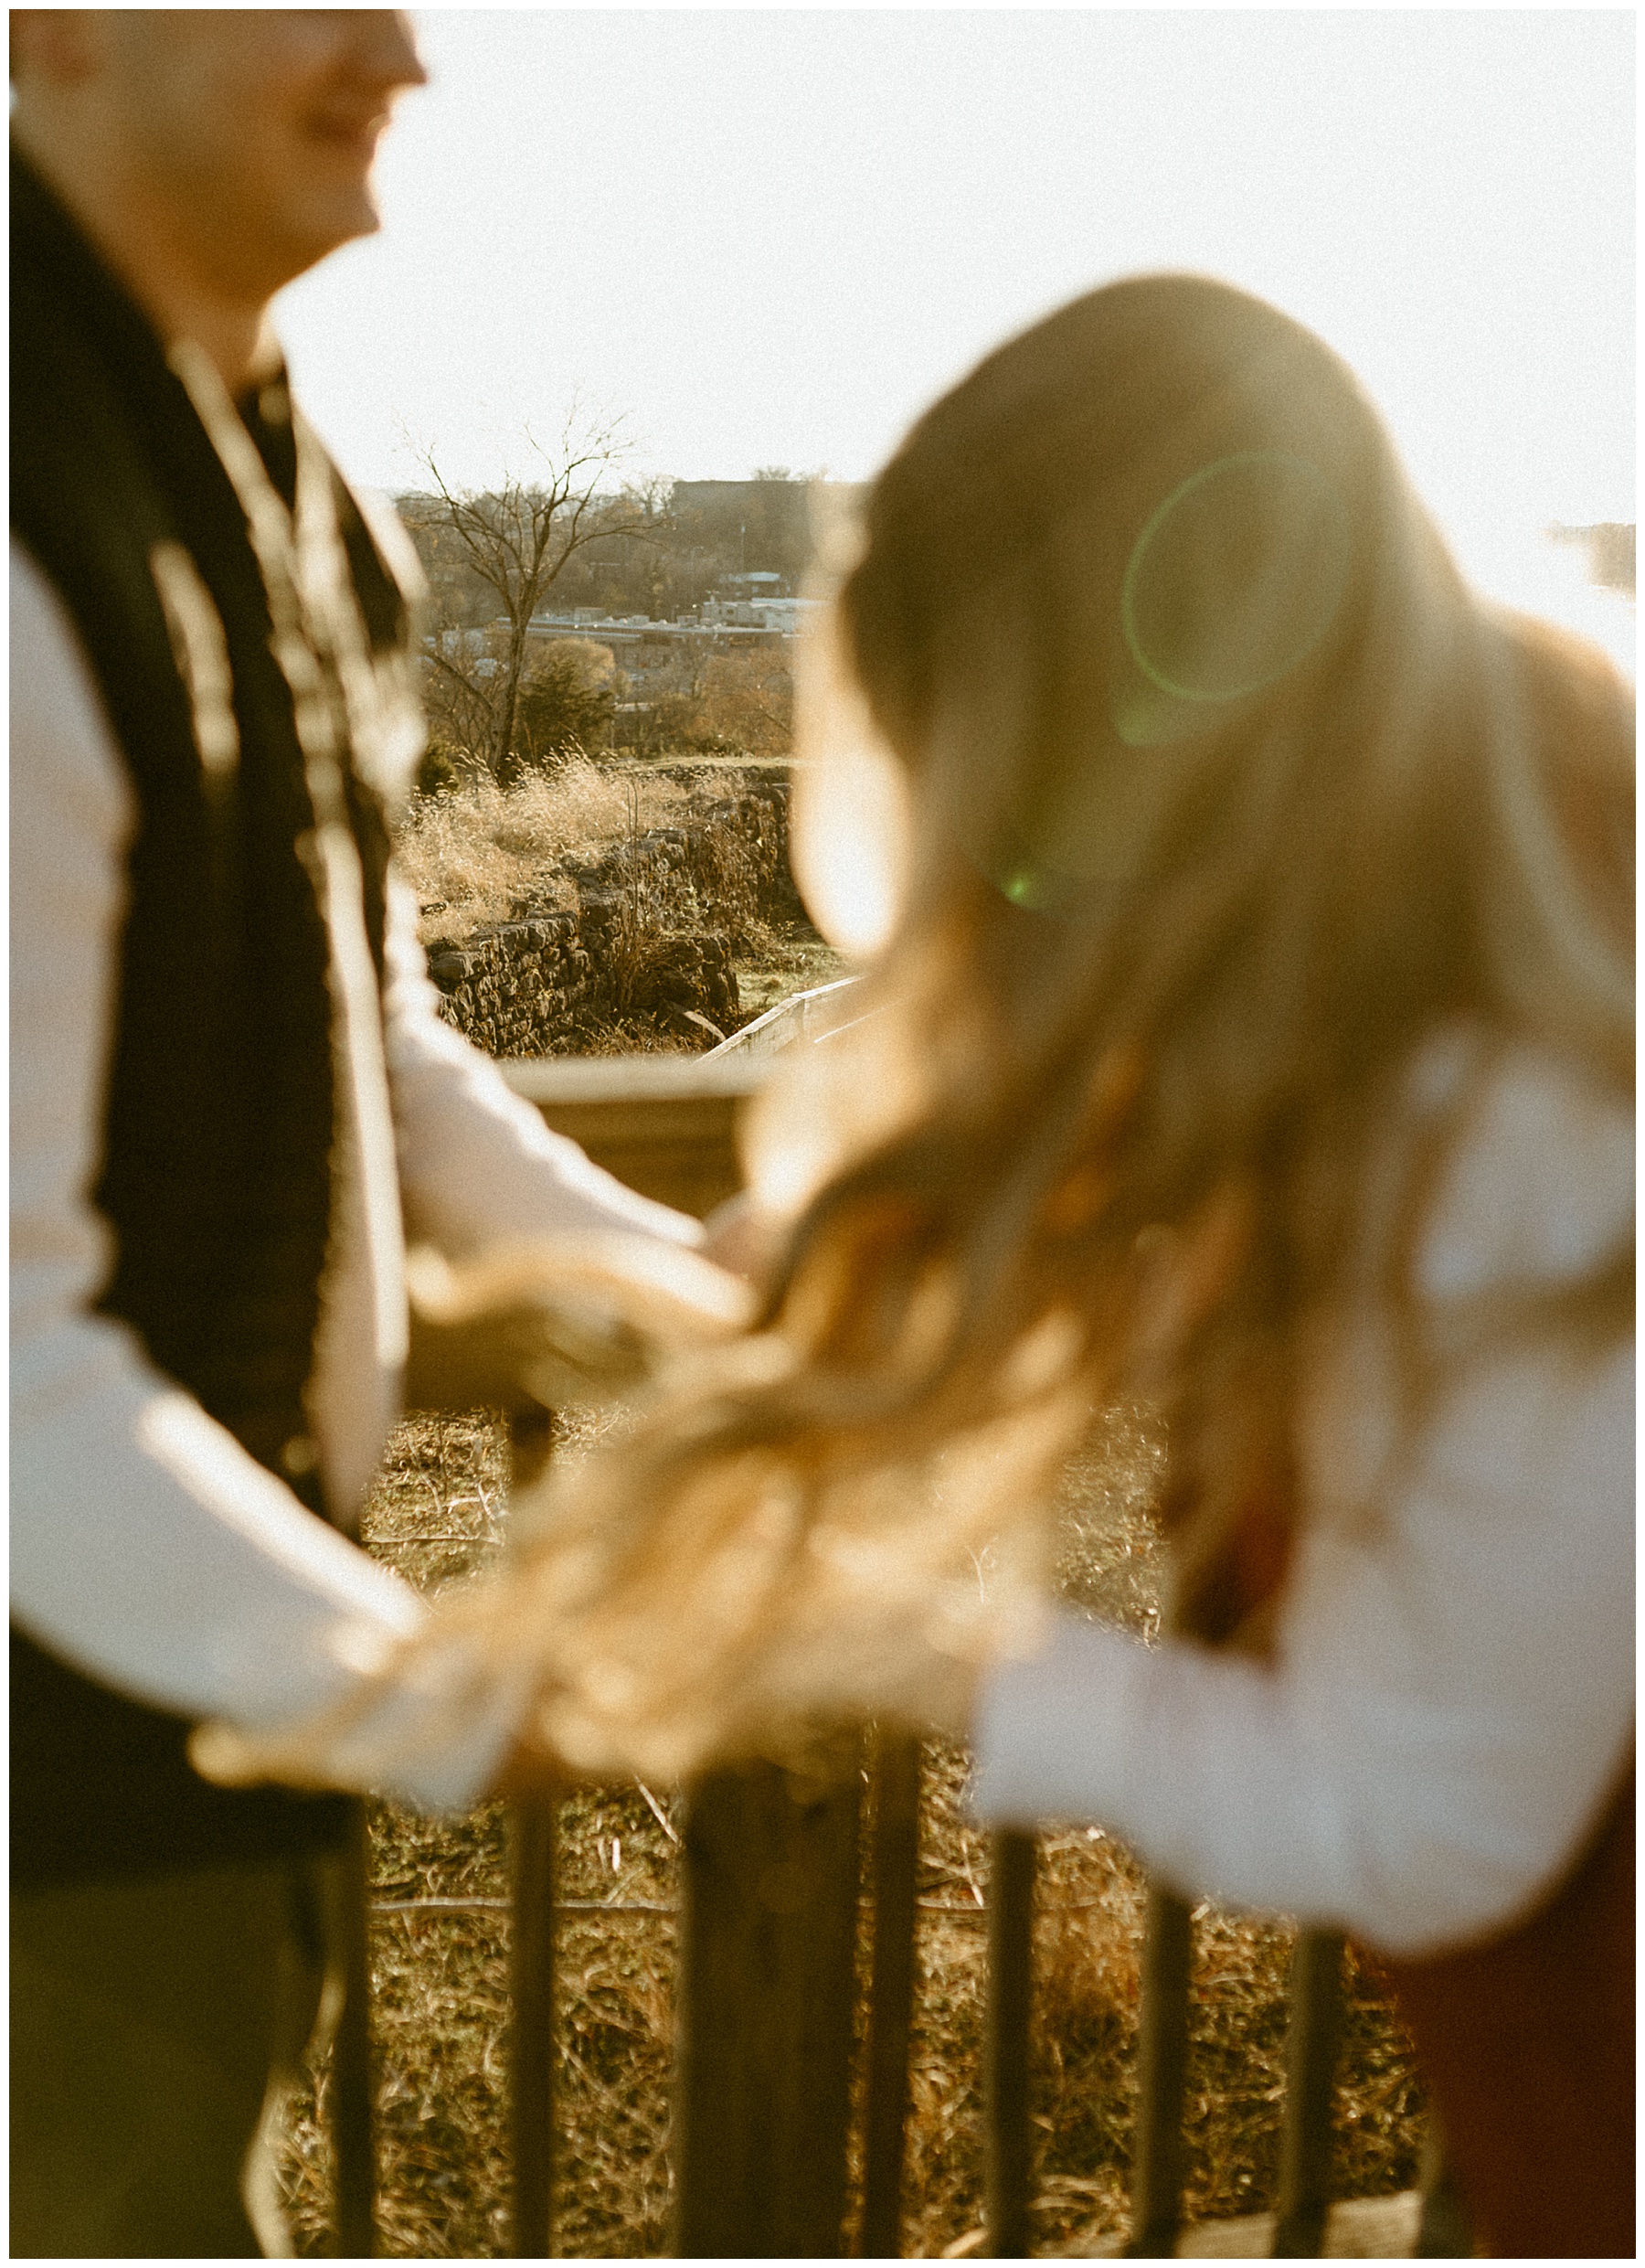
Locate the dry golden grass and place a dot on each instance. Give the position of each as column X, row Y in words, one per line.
column 484, row 854
column 477, row 854
column 794, row 961
column 441, row 1978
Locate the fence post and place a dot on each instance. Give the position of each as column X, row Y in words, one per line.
column 1312, row 2038
column 1162, row 2067
column 891, row 2003
column 352, row 2138
column 1010, row 2005
column 768, row 1987
column 531, row 2045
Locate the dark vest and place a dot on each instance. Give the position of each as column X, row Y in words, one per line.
column 215, row 1176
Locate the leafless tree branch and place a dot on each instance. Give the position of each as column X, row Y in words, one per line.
column 516, row 539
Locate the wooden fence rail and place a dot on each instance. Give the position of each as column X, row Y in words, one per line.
column 769, row 1912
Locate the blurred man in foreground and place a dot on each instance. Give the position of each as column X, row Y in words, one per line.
column 227, row 1073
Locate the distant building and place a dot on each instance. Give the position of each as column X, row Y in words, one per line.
column 766, row 526
column 467, row 646
column 759, row 610
column 1610, row 545
column 655, row 655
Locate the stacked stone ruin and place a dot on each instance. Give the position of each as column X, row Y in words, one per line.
column 649, row 942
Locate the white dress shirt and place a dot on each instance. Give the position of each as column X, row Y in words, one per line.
column 1450, row 1698
column 148, row 1548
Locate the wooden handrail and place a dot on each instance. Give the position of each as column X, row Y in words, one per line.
column 666, row 1124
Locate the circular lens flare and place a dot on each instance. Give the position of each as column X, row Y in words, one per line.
column 1236, row 577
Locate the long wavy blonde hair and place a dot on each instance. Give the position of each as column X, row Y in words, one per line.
column 1223, row 791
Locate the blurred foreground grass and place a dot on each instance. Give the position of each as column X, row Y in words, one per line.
column 441, row 1977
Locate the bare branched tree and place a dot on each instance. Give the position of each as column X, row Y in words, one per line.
column 512, row 542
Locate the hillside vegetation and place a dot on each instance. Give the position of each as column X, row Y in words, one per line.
column 591, row 909
column 480, row 853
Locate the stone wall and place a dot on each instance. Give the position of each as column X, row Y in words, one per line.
column 647, row 950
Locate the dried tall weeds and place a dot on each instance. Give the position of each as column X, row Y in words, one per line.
column 440, row 1976
column 474, row 855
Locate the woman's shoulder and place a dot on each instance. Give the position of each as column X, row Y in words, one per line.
column 1535, row 1180
column 1520, row 1164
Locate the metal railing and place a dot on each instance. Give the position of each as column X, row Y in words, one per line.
column 772, row 1876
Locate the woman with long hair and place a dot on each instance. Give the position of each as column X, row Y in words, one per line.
column 1248, row 1027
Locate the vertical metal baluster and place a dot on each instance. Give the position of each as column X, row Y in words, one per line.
column 1162, row 2067
column 353, row 2140
column 1005, row 2077
column 531, row 1959
column 1446, row 2230
column 1312, row 2038
column 890, row 2012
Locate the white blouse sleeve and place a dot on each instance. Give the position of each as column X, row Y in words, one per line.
column 147, row 1548
column 478, row 1167
column 1450, row 1699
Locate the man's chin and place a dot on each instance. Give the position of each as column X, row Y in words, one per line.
column 320, row 224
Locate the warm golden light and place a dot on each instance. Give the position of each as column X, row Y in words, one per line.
column 849, row 825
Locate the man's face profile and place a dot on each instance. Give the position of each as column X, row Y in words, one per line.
column 255, row 127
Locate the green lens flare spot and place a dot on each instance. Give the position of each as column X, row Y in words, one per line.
column 1236, row 575
column 1031, row 885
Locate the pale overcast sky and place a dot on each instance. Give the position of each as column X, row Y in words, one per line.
column 770, row 237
